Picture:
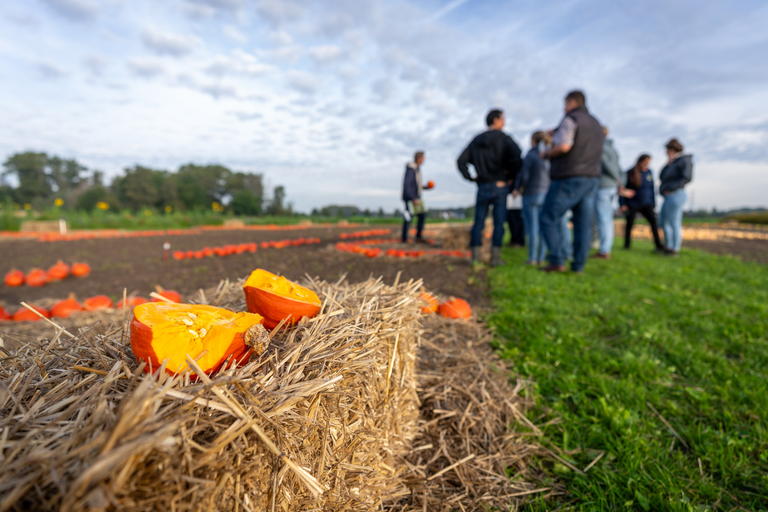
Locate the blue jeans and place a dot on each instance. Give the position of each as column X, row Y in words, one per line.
column 565, row 236
column 489, row 194
column 672, row 219
column 578, row 195
column 604, row 217
column 531, row 212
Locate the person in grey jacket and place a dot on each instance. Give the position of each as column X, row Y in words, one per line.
column 606, row 194
column 674, row 177
column 534, row 181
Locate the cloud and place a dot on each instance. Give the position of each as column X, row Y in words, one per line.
column 234, row 34
column 146, row 68
column 239, row 62
column 248, row 116
column 280, row 11
column 198, row 11
column 449, row 7
column 47, row 70
column 325, row 53
column 166, row 43
column 23, row 19
column 303, row 81
column 75, row 10
column 96, row 64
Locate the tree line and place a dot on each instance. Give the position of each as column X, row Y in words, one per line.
column 39, row 181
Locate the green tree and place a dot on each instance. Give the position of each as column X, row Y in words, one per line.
column 277, row 205
column 95, row 194
column 30, row 171
column 64, row 174
column 244, row 202
column 137, row 189
column 198, row 186
column 253, row 183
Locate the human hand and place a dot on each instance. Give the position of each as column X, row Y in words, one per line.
column 665, row 193
column 515, row 193
column 543, row 155
column 624, row 208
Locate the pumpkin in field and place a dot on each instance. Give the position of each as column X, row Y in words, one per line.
column 97, row 302
column 81, row 269
column 14, row 278
column 24, row 315
column 431, row 301
column 168, row 294
column 131, row 301
column 455, row 308
column 37, row 277
column 4, row 315
column 59, row 271
column 179, row 255
column 163, row 331
column 66, row 307
column 275, row 298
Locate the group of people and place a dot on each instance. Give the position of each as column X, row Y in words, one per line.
column 573, row 168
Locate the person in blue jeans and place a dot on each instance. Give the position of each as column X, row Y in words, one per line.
column 533, row 183
column 606, row 194
column 674, row 177
column 496, row 159
column 575, row 172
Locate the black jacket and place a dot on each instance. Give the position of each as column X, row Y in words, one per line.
column 677, row 174
column 494, row 155
column 586, row 154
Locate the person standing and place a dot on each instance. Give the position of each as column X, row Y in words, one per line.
column 638, row 196
column 496, row 159
column 674, row 177
column 533, row 181
column 515, row 221
column 606, row 194
column 575, row 159
column 412, row 188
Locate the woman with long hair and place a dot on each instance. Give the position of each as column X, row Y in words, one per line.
column 533, row 180
column 674, row 177
column 638, row 196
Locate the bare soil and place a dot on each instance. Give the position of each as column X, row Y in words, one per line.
column 748, row 250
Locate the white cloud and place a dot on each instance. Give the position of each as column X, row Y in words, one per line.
column 239, row 62
column 47, row 70
column 146, row 68
column 303, row 81
column 326, row 52
column 96, row 64
column 167, row 43
column 234, row 34
column 76, row 10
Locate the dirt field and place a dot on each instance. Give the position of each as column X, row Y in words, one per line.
column 748, row 250
column 136, row 264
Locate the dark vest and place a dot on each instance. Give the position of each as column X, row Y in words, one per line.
column 584, row 157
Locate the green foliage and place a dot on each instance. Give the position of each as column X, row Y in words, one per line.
column 30, row 170
column 92, row 196
column 688, row 335
column 750, row 218
column 244, row 202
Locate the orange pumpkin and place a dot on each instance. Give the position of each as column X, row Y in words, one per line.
column 132, row 301
column 455, row 308
column 97, row 302
column 4, row 315
column 179, row 255
column 168, row 294
column 37, row 277
column 24, row 315
column 81, row 269
column 162, row 331
column 14, row 278
column 431, row 301
column 58, row 271
column 430, row 184
column 275, row 298
column 66, row 307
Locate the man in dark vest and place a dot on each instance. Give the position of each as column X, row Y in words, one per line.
column 575, row 171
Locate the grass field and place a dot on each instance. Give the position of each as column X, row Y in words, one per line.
column 685, row 336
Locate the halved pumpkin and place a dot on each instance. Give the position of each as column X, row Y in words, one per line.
column 275, row 298
column 162, row 330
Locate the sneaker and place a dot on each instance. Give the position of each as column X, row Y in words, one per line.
column 670, row 252
column 602, row 256
column 558, row 269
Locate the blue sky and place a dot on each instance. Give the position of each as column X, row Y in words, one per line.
column 331, row 98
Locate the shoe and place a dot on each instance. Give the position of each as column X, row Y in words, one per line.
column 420, row 240
column 659, row 250
column 670, row 252
column 560, row 269
column 532, row 263
column 496, row 260
column 601, row 256
column 475, row 255
column 516, row 246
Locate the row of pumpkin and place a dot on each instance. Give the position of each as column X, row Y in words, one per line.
column 39, row 277
column 227, row 250
column 373, row 252
column 365, row 234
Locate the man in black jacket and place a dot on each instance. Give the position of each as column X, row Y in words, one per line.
column 496, row 159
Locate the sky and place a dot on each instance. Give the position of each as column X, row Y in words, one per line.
column 331, row 98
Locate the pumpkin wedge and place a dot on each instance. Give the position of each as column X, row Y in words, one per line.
column 275, row 298
column 164, row 331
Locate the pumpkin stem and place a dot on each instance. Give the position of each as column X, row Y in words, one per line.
column 257, row 338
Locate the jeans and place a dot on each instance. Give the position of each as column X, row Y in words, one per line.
column 578, row 195
column 516, row 227
column 672, row 219
column 604, row 217
column 647, row 212
column 531, row 212
column 407, row 223
column 565, row 236
column 489, row 194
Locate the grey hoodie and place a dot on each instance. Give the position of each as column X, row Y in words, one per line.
column 610, row 166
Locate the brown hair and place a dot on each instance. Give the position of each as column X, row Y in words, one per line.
column 636, row 173
column 541, row 136
column 418, row 155
column 576, row 96
column 675, row 146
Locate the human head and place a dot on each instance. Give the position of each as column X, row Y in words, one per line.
column 574, row 100
column 540, row 136
column 418, row 157
column 635, row 175
column 495, row 119
column 673, row 148
column 643, row 161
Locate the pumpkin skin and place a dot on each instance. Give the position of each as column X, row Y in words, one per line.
column 14, row 278
column 24, row 315
column 431, row 301
column 37, row 277
column 161, row 330
column 4, row 315
column 97, row 302
column 275, row 298
column 58, row 271
column 455, row 308
column 168, row 294
column 81, row 269
column 66, row 307
column 132, row 301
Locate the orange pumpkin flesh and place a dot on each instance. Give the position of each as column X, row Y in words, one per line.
column 431, row 301
column 66, row 307
column 14, row 278
column 275, row 298
column 161, row 330
column 455, row 308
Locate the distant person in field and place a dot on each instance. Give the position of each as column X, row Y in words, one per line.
column 674, row 177
column 606, row 194
column 515, row 221
column 414, row 206
column 532, row 183
column 496, row 159
column 575, row 172
column 639, row 196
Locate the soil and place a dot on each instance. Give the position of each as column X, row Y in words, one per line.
column 747, row 250
column 136, row 264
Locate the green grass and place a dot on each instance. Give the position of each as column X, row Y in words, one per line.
column 687, row 335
